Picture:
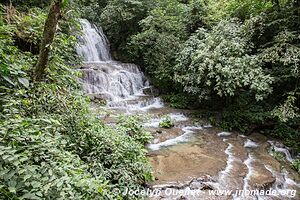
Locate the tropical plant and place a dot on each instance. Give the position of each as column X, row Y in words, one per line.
column 166, row 122
column 218, row 62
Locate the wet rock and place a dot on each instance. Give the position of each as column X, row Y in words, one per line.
column 151, row 91
column 187, row 160
column 207, row 187
column 261, row 177
column 99, row 98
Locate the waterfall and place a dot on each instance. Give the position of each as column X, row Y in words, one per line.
column 118, row 83
column 93, row 44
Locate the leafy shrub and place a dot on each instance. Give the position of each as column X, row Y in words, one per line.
column 216, row 62
column 35, row 163
column 156, row 46
column 276, row 154
column 178, row 100
column 120, row 20
column 243, row 9
column 296, row 165
column 288, row 134
column 166, row 122
column 133, row 127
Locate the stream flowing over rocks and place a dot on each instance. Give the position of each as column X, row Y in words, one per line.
column 193, row 155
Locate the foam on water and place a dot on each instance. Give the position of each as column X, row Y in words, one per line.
column 153, row 123
column 250, row 144
column 248, row 163
column 280, row 148
column 207, row 126
column 188, row 131
column 224, row 134
column 230, row 159
column 283, row 182
column 176, row 117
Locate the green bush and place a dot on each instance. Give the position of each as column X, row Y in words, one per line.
column 276, row 154
column 180, row 101
column 156, row 46
column 120, row 19
column 296, row 165
column 288, row 134
column 166, row 122
column 217, row 62
column 132, row 126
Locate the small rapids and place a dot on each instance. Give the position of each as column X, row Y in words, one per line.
column 280, row 148
column 188, row 131
column 250, row 144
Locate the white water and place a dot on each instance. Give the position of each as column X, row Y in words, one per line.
column 250, row 144
column 188, row 131
column 207, row 126
column 283, row 182
column 230, row 160
column 280, row 148
column 224, row 134
column 248, row 163
column 120, row 84
column 93, row 43
column 251, row 171
column 176, row 117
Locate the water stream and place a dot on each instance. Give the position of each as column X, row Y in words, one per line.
column 192, row 155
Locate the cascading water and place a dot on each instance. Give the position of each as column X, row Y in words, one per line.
column 94, row 45
column 121, row 84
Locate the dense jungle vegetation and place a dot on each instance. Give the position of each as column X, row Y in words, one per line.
column 239, row 58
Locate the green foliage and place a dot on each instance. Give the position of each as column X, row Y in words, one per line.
column 35, row 163
column 288, row 134
column 163, row 31
column 240, row 113
column 120, row 20
column 196, row 15
column 283, row 54
column 287, row 110
column 91, row 9
column 296, row 165
column 132, row 126
column 276, row 154
column 24, row 5
column 166, row 122
column 243, row 9
column 30, row 26
column 217, row 62
column 180, row 101
column 276, row 45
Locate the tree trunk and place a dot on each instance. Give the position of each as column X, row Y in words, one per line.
column 48, row 36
